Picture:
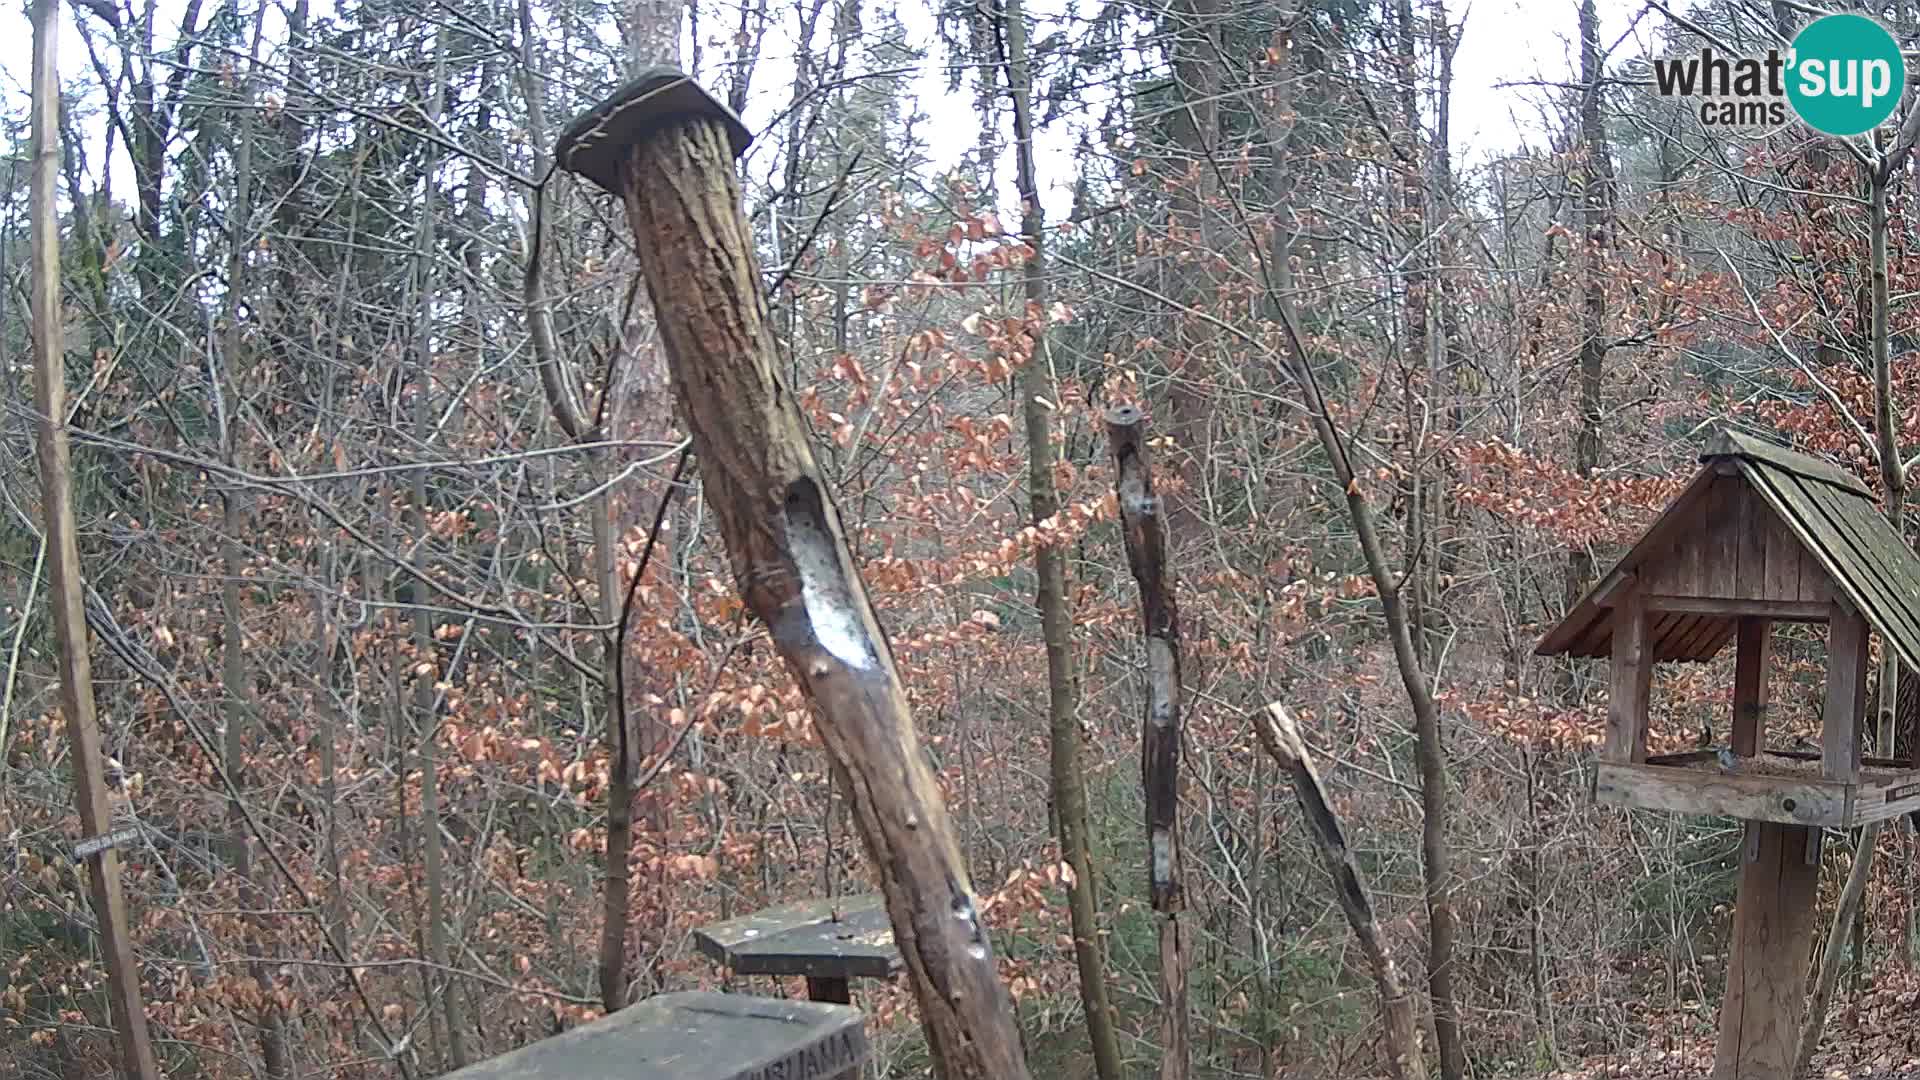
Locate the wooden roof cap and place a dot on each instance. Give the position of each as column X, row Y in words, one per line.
column 597, row 141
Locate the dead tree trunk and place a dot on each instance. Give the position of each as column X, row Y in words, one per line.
column 667, row 149
column 1143, row 527
column 1281, row 736
column 65, row 582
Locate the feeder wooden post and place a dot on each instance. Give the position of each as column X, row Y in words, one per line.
column 1772, row 938
column 667, row 149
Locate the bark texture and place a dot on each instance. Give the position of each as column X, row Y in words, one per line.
column 795, row 571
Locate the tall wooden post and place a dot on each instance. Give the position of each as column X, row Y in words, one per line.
column 66, row 581
column 1144, row 529
column 667, row 149
column 1767, row 973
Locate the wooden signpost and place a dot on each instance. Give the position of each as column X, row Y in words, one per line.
column 667, row 150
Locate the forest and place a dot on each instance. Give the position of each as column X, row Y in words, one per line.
column 1214, row 449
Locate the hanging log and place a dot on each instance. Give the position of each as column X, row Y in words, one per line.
column 1281, row 736
column 667, row 150
column 1144, row 529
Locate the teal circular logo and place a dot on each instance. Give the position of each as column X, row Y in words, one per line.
column 1846, row 74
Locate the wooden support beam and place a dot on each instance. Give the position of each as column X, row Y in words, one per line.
column 668, row 150
column 1631, row 672
column 1767, row 972
column 1753, row 655
column 1782, row 610
column 1846, row 698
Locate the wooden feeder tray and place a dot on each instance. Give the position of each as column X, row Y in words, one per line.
column 1779, row 786
column 695, row 1036
column 848, row 937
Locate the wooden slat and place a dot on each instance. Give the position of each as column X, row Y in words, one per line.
column 1720, row 794
column 1750, row 664
column 1877, row 554
column 1718, row 542
column 1846, row 696
column 1809, row 522
column 1782, row 610
column 1886, row 799
column 1631, row 672
column 1752, row 522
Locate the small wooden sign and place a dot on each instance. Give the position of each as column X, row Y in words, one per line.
column 94, row 845
column 1904, row 791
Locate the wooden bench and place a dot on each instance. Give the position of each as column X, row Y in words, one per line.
column 828, row 941
column 696, row 1036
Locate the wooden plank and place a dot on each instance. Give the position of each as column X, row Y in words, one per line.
column 1772, row 939
column 1885, row 799
column 1722, row 794
column 1751, row 661
column 1856, row 526
column 696, row 1036
column 1718, row 539
column 824, row 939
column 1777, row 610
column 1783, row 552
column 1846, row 696
column 1839, row 561
column 1753, row 520
column 1630, row 672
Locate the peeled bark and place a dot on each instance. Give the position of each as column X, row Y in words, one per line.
column 795, row 571
column 1281, row 737
column 1143, row 527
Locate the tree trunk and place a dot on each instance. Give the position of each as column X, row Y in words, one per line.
column 1281, row 737
column 1596, row 216
column 1049, row 566
column 1141, row 524
column 795, row 571
column 66, row 583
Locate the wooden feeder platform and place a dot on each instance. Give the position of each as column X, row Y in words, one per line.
column 827, row 941
column 696, row 1036
column 1761, row 535
column 1782, row 786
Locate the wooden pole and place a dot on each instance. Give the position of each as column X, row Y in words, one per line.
column 66, row 583
column 667, row 149
column 1281, row 736
column 1144, row 529
column 1772, row 935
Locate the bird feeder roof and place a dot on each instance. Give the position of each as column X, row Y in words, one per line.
column 1829, row 515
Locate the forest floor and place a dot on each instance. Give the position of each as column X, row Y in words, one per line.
column 1872, row 1037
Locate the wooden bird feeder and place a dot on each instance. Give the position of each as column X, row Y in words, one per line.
column 1761, row 535
column 696, row 1036
column 830, row 942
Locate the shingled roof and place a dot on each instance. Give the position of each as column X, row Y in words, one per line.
column 1832, row 514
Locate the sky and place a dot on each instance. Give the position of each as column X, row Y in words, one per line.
column 1509, row 47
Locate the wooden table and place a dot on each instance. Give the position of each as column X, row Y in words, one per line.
column 828, row 941
column 696, row 1036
